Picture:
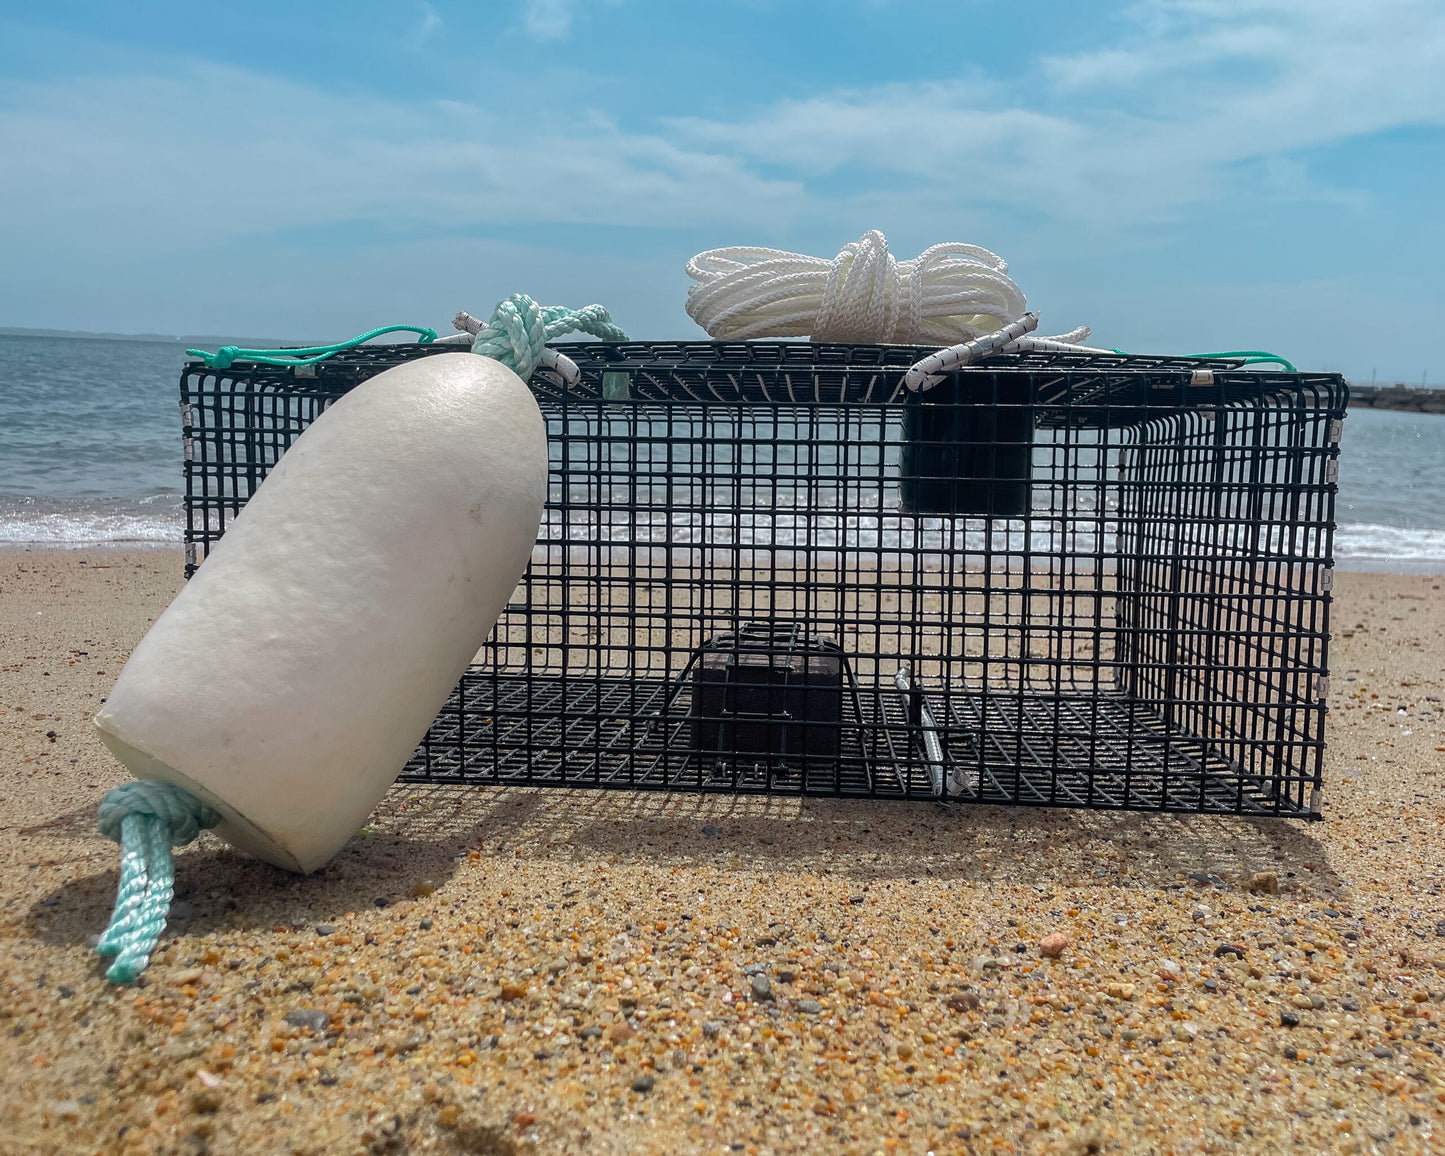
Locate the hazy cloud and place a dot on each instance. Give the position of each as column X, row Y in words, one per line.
column 218, row 151
column 426, row 26
column 548, row 19
column 1193, row 89
column 1084, row 141
column 1196, row 112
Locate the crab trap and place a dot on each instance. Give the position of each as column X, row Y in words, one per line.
column 1053, row 579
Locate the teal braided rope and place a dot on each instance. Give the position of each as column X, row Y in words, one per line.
column 147, row 819
column 519, row 330
column 227, row 355
column 1249, row 356
column 1253, row 357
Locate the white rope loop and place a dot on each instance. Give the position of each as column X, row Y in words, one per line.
column 948, row 293
column 927, row 373
column 954, row 295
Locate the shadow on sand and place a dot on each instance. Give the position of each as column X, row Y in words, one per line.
column 422, row 833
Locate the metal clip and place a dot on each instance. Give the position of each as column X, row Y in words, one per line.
column 1322, row 687
column 191, row 554
column 1337, row 429
column 1317, row 801
column 1332, row 471
column 1327, row 579
column 1202, row 377
column 303, row 371
column 188, row 448
column 188, row 415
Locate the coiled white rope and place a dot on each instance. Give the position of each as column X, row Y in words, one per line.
column 953, row 294
column 948, row 293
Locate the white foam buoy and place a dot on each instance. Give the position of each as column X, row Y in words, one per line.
column 294, row 675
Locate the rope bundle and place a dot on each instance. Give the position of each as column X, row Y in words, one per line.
column 949, row 293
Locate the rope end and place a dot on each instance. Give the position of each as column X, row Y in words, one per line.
column 147, row 819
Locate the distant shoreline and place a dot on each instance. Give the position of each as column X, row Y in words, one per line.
column 207, row 339
column 1402, row 398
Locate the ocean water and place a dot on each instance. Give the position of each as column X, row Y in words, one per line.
column 1391, row 504
column 90, row 442
column 90, row 456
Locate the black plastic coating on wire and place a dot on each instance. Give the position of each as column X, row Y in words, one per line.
column 1108, row 575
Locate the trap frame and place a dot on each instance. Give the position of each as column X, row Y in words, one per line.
column 1054, row 579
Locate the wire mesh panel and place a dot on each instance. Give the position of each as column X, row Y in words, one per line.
column 1052, row 579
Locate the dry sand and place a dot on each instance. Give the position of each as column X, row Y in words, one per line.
column 578, row 978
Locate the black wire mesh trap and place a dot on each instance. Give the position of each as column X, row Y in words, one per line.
column 1053, row 579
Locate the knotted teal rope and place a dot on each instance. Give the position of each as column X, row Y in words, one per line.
column 224, row 357
column 516, row 335
column 519, row 330
column 147, row 819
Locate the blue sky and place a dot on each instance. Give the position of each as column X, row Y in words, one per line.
column 1182, row 175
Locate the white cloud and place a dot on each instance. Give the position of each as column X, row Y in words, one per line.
column 545, row 20
column 1197, row 110
column 215, row 151
column 548, row 19
column 1130, row 133
column 426, row 27
column 1194, row 98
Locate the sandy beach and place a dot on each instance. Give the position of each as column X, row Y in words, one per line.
column 502, row 971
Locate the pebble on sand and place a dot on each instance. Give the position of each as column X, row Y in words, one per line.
column 309, row 1017
column 1053, row 945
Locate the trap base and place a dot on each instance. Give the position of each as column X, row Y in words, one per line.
column 1104, row 752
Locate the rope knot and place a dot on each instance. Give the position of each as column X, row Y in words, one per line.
column 519, row 329
column 147, row 818
column 865, row 297
column 181, row 812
